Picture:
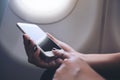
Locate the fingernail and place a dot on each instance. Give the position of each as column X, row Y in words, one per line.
column 23, row 37
column 35, row 48
column 54, row 49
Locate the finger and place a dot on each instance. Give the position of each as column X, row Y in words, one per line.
column 65, row 47
column 32, row 43
column 29, row 43
column 60, row 54
column 35, row 59
column 62, row 68
column 33, row 52
column 53, row 64
column 26, row 39
column 56, row 63
column 61, row 44
column 52, row 38
column 30, row 46
column 25, row 36
column 59, row 61
column 41, row 63
column 35, row 48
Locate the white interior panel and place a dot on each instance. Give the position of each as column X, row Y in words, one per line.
column 111, row 37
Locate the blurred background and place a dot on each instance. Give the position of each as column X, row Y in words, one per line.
column 89, row 26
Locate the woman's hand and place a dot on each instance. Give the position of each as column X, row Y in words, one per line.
column 33, row 52
column 74, row 68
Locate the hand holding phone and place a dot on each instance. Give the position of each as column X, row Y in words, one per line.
column 41, row 40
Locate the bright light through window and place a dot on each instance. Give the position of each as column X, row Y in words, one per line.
column 42, row 11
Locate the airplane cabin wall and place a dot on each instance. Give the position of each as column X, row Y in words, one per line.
column 88, row 29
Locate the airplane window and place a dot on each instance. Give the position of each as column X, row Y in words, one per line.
column 42, row 11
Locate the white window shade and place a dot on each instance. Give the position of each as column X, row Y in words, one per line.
column 42, row 11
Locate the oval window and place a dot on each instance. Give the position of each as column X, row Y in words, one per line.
column 42, row 11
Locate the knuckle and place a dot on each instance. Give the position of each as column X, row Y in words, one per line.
column 67, row 61
column 58, row 72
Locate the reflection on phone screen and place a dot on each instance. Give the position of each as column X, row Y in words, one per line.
column 47, row 44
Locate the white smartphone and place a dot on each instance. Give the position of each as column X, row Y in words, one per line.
column 41, row 40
